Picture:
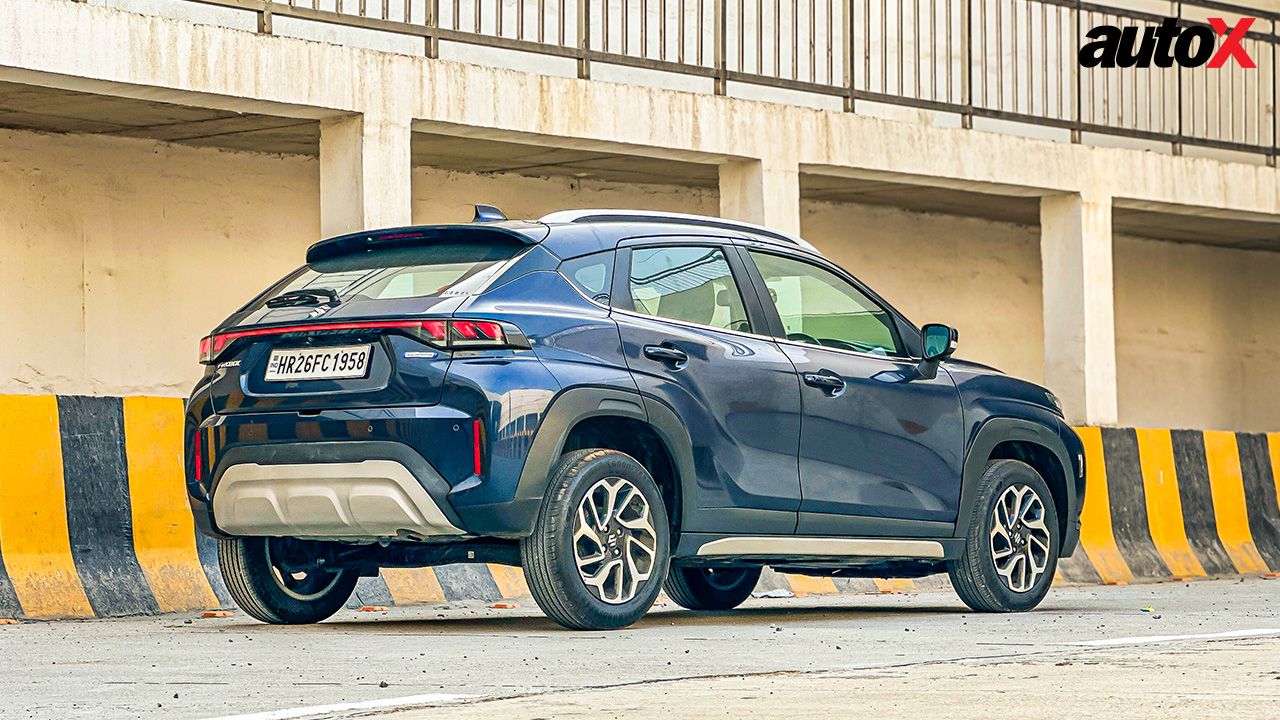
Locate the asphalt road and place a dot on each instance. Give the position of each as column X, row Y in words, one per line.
column 1088, row 652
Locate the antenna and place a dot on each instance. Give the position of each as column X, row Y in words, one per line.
column 488, row 213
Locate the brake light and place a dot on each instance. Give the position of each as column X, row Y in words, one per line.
column 471, row 334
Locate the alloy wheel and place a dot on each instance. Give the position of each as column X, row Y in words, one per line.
column 1020, row 538
column 615, row 545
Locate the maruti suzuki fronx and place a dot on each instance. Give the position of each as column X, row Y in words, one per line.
column 618, row 402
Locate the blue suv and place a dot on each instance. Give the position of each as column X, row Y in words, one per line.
column 618, row 402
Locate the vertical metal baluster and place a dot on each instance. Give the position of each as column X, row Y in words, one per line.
column 1013, row 52
column 644, row 28
column 476, row 14
column 520, row 19
column 741, row 33
column 813, row 32
column 933, row 49
column 795, row 39
column 777, row 38
column 884, row 46
column 831, row 43
column 457, row 15
column 386, row 9
column 625, row 6
column 498, row 24
column 915, row 42
column 949, row 64
column 866, row 44
column 662, row 30
column 718, row 30
column 759, row 37
column 408, row 11
column 700, row 26
column 846, row 15
column 1044, row 50
column 902, row 54
column 680, row 33
column 604, row 25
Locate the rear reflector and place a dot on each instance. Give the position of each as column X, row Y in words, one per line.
column 472, row 334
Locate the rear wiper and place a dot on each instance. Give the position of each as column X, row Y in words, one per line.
column 304, row 298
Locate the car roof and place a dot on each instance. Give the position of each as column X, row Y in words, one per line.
column 566, row 233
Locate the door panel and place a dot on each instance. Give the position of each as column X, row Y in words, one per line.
column 736, row 393
column 881, row 447
column 888, row 445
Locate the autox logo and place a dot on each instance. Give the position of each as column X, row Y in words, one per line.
column 1166, row 44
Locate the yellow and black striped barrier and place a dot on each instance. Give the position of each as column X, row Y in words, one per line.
column 94, row 520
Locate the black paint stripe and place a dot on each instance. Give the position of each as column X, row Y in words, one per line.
column 9, row 605
column 371, row 591
column 1197, row 502
column 1128, row 500
column 1260, row 496
column 207, row 551
column 99, row 515
column 467, row 581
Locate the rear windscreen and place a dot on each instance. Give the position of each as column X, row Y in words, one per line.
column 405, row 272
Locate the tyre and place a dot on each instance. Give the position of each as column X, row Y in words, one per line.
column 601, row 545
column 711, row 588
column 276, row 581
column 1011, row 550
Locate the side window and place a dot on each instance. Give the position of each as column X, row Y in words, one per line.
column 591, row 274
column 690, row 284
column 820, row 308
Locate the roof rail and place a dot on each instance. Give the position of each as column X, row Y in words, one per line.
column 615, row 215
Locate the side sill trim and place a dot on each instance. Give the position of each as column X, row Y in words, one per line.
column 824, row 547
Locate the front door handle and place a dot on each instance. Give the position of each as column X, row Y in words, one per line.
column 666, row 354
column 826, row 381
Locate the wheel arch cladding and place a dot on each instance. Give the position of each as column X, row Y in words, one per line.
column 639, row 440
column 1038, row 446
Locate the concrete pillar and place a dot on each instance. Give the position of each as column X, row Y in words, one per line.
column 365, row 173
column 765, row 192
column 1079, row 306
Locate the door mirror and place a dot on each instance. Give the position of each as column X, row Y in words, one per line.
column 939, row 341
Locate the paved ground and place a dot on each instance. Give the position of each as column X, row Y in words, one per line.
column 1086, row 653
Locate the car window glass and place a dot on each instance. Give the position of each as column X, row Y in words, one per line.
column 591, row 274
column 690, row 284
column 821, row 308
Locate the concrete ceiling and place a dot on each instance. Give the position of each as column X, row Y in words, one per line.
column 491, row 156
column 1174, row 224
column 29, row 107
column 921, row 198
column 1182, row 226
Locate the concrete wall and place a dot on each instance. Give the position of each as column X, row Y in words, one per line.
column 116, row 261
column 1195, row 331
column 117, row 255
column 978, row 276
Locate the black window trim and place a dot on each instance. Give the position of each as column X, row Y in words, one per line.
column 621, row 301
column 775, row 320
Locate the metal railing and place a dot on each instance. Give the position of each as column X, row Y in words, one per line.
column 1010, row 60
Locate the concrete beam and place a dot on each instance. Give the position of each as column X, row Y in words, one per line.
column 365, row 173
column 765, row 192
column 1079, row 306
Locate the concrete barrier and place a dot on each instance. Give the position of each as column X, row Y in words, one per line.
column 94, row 522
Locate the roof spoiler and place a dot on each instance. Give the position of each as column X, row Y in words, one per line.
column 367, row 240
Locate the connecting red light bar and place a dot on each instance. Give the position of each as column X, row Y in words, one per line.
column 441, row 333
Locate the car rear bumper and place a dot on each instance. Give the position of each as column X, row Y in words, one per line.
column 351, row 490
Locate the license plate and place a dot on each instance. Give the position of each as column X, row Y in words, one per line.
column 328, row 363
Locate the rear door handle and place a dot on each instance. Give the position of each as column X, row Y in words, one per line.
column 824, row 381
column 667, row 354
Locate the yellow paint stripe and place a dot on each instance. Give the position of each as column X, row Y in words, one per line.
column 1096, row 534
column 164, row 536
column 1226, row 482
column 806, row 585
column 413, row 585
column 1164, row 505
column 510, row 581
column 894, row 585
column 33, row 510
